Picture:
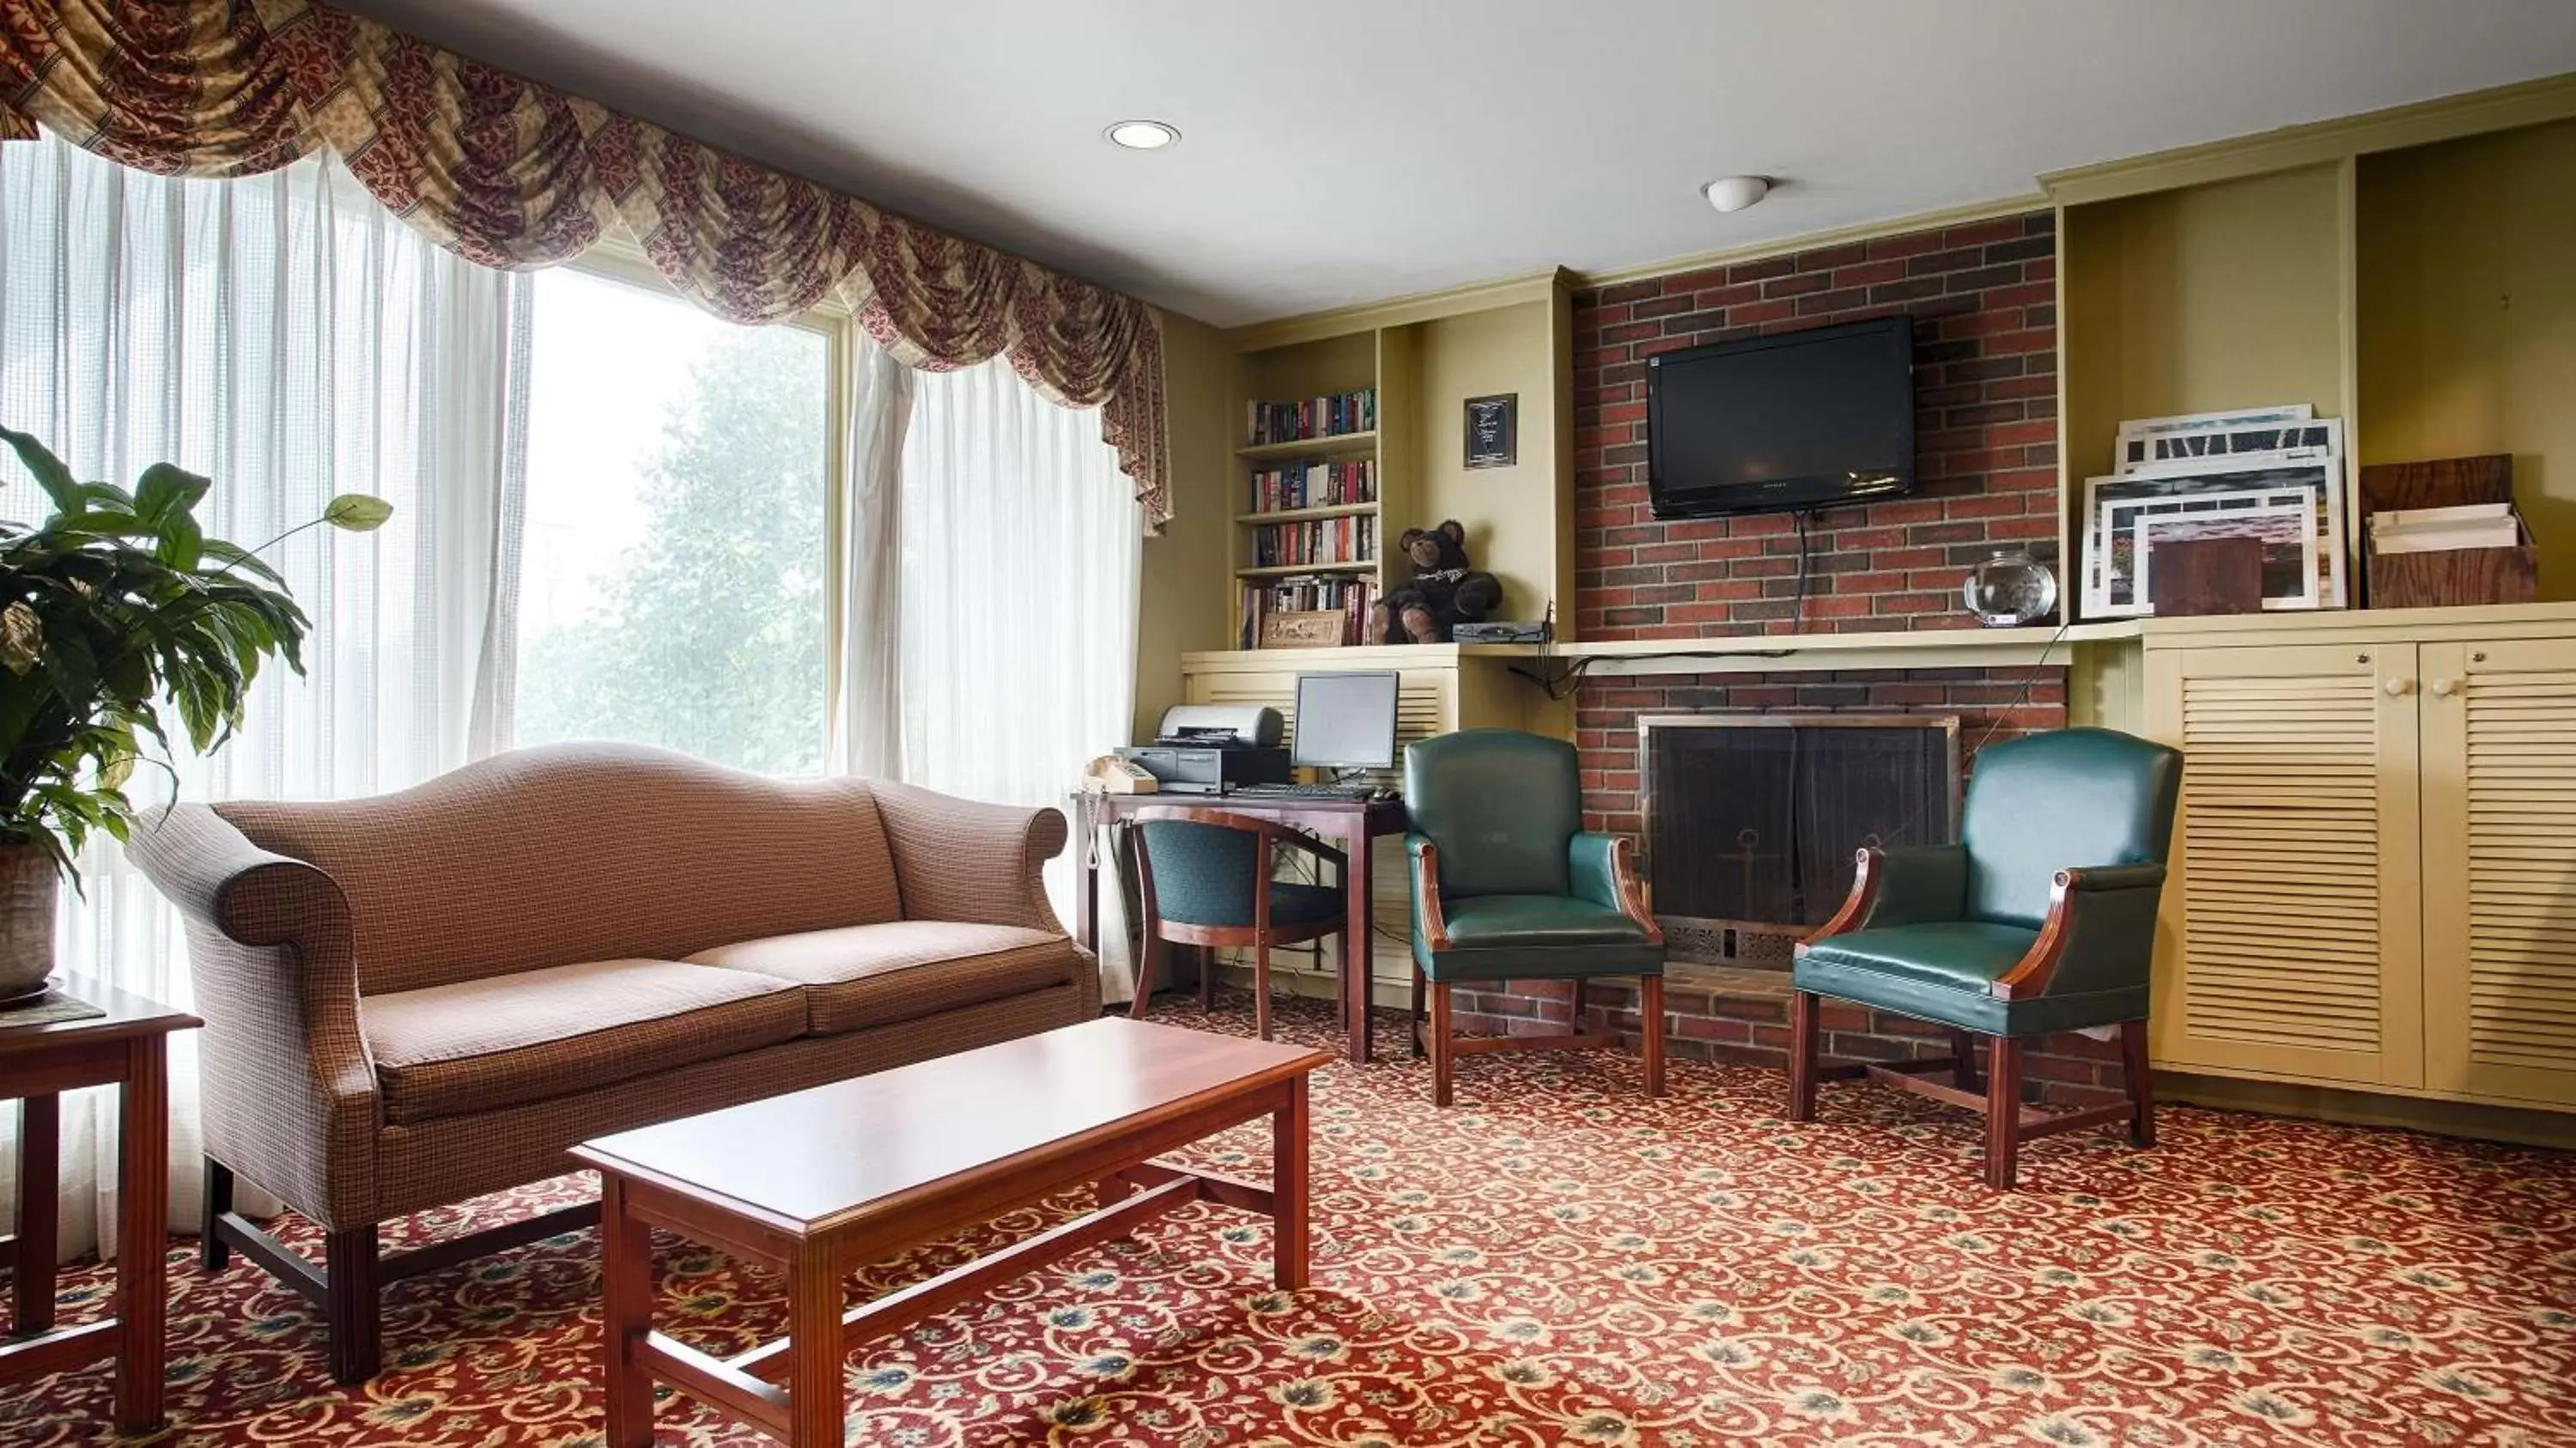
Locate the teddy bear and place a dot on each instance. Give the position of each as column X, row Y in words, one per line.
column 1446, row 589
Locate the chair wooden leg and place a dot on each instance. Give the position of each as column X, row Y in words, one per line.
column 1802, row 1055
column 1650, row 1019
column 352, row 1283
column 1441, row 1059
column 1204, row 957
column 213, row 1252
column 1149, row 963
column 2142, row 1101
column 2003, row 1111
column 1963, row 1046
column 1418, row 980
column 1261, row 986
column 1579, row 1002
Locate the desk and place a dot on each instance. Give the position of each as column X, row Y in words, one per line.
column 1355, row 823
column 125, row 1048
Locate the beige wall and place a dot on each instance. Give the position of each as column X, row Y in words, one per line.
column 1184, row 602
column 1512, row 514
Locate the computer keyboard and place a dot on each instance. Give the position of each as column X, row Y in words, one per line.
column 1304, row 791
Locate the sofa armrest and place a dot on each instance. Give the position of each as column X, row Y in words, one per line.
column 1603, row 870
column 2100, row 934
column 957, row 859
column 1907, row 885
column 289, row 1088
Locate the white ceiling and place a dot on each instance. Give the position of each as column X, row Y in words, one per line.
column 1340, row 151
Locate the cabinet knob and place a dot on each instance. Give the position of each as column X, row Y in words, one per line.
column 2399, row 688
column 2445, row 688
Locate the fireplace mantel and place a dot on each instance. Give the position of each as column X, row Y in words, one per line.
column 1951, row 648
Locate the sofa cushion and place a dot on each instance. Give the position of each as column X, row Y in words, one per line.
column 880, row 975
column 505, row 1040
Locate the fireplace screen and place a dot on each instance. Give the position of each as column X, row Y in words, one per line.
column 1752, row 819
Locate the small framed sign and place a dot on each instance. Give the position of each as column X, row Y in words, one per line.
column 1494, row 430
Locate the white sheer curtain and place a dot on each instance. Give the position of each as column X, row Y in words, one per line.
column 290, row 338
column 1020, row 543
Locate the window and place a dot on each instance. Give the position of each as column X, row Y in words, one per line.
column 673, row 575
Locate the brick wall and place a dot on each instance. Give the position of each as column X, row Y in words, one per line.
column 1985, row 349
column 1983, row 297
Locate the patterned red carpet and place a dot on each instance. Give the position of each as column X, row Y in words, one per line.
column 1557, row 1260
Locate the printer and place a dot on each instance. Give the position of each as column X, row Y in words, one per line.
column 1211, row 748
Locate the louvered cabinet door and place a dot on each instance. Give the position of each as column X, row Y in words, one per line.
column 2500, row 869
column 2291, row 946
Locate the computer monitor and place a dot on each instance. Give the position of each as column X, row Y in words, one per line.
column 1346, row 720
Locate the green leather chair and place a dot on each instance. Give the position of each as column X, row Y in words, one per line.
column 1201, row 872
column 2041, row 919
column 1508, row 886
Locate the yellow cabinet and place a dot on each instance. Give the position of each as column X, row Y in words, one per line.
column 2499, row 768
column 2291, row 945
column 2375, row 869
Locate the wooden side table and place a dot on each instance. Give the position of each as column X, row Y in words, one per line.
column 126, row 1048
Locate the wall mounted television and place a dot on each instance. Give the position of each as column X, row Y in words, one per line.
column 1791, row 421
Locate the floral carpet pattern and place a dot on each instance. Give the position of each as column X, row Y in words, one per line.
column 1557, row 1260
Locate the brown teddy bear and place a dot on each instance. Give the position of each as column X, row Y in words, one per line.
column 1446, row 590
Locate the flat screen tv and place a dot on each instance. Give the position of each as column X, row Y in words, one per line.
column 1797, row 420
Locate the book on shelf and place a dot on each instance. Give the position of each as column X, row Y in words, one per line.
column 1354, row 597
column 1313, row 417
column 1350, row 539
column 1314, row 485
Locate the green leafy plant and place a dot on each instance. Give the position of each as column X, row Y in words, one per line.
column 114, row 605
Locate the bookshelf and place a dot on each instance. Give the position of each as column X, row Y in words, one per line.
column 1307, row 508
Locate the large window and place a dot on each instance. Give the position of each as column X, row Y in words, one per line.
column 673, row 576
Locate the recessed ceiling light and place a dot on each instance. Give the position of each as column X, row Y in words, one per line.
column 1734, row 193
column 1143, row 135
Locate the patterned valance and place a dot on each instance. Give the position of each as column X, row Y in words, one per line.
column 513, row 174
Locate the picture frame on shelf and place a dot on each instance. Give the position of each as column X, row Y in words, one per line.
column 2148, row 429
column 2295, row 438
column 2286, row 529
column 1493, row 430
column 2116, row 587
column 2111, row 588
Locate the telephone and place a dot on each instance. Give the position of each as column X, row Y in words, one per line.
column 1112, row 775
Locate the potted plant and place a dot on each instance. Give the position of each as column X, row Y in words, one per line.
column 113, row 606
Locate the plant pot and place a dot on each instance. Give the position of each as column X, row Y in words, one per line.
column 27, row 888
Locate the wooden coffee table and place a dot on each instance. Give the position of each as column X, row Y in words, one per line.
column 819, row 1183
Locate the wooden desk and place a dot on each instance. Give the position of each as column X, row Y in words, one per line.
column 127, row 1049
column 1353, row 822
column 817, row 1184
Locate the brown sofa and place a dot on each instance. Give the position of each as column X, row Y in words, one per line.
column 417, row 998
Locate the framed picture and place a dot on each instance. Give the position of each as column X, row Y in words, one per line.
column 2292, row 438
column 2145, row 430
column 2117, row 585
column 1494, row 430
column 2287, row 531
column 2108, row 550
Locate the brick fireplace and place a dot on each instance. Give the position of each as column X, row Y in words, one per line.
column 1983, row 299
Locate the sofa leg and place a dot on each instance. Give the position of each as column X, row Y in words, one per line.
column 1650, row 1016
column 351, row 1284
column 2003, row 1111
column 2142, row 1101
column 1441, row 1059
column 1802, row 1055
column 214, row 1254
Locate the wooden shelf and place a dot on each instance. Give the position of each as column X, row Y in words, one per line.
column 1299, row 515
column 1286, row 570
column 1340, row 442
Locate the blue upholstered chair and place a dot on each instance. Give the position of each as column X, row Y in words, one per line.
column 2041, row 919
column 1507, row 885
column 1205, row 880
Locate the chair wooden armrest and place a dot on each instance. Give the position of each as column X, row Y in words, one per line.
column 1425, row 857
column 2030, row 976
